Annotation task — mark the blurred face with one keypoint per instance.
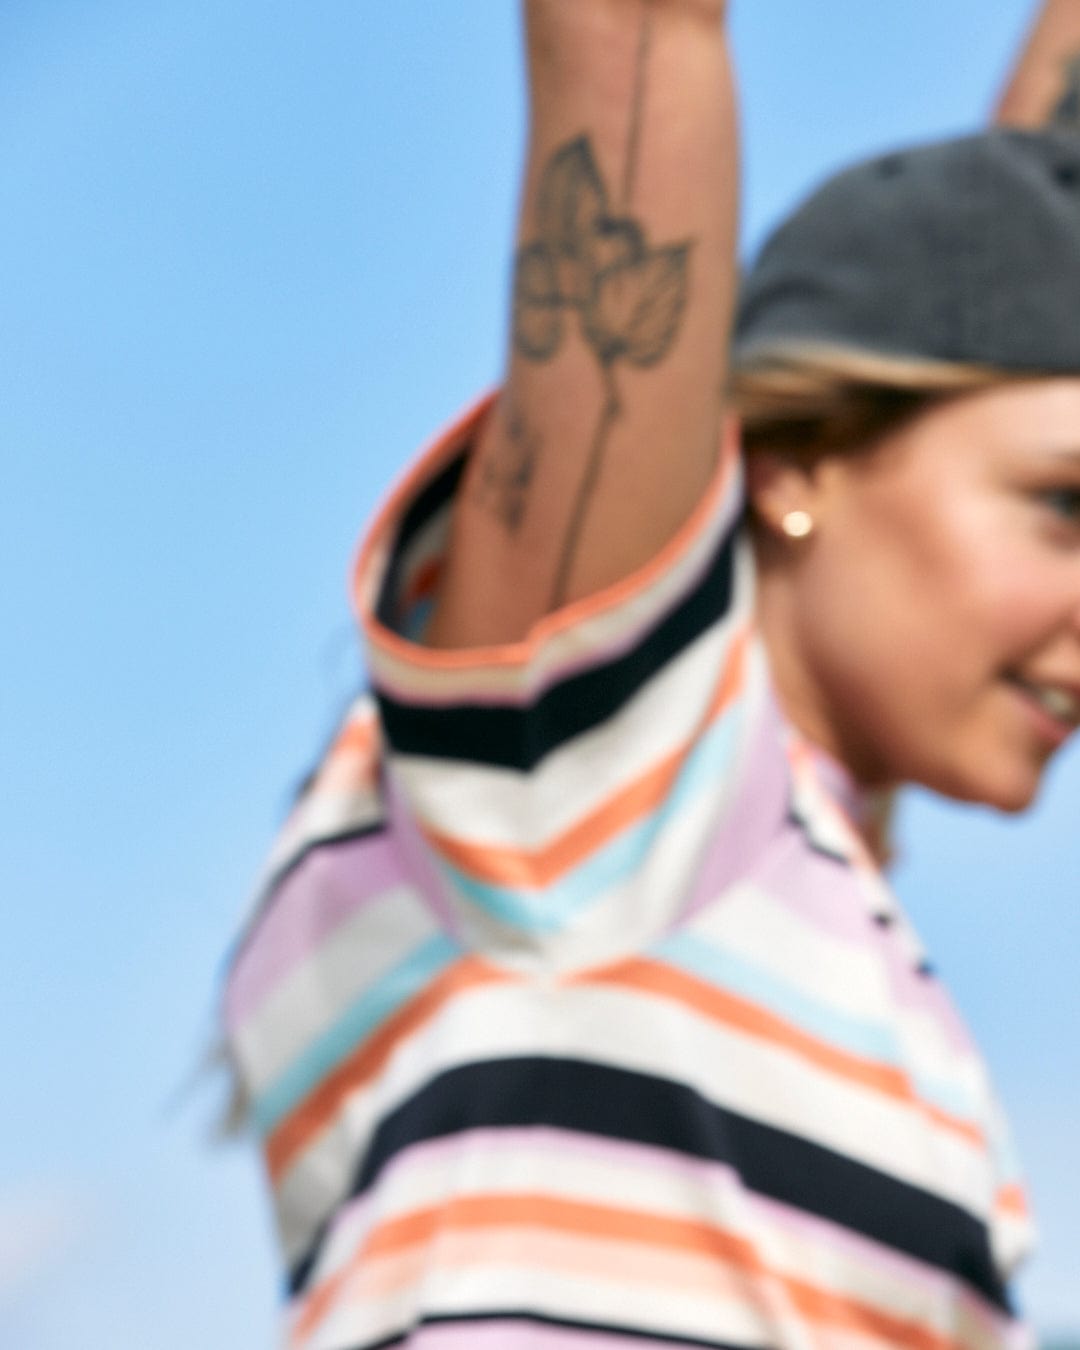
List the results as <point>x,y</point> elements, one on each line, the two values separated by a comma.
<point>928,630</point>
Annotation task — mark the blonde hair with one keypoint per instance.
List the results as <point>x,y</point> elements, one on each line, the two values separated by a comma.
<point>815,397</point>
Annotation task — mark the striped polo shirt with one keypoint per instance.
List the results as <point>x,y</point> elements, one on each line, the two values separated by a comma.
<point>573,1014</point>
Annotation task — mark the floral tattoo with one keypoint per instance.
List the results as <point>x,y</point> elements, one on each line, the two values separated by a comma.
<point>592,270</point>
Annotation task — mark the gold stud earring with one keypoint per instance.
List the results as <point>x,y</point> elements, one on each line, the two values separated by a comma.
<point>797,524</point>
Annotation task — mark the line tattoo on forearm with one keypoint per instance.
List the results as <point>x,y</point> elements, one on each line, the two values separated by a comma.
<point>1066,112</point>
<point>592,262</point>
<point>504,482</point>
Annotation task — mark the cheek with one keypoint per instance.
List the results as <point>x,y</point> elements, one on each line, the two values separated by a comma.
<point>995,579</point>
<point>1014,607</point>
<point>938,599</point>
<point>913,615</point>
<point>886,600</point>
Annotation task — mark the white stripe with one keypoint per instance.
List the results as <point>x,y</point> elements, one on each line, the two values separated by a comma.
<point>747,921</point>
<point>646,1296</point>
<point>504,807</point>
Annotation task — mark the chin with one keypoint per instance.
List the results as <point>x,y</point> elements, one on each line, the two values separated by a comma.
<point>1011,790</point>
<point>1012,803</point>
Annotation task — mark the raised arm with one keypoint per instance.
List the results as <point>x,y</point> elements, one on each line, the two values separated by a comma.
<point>1045,83</point>
<point>609,423</point>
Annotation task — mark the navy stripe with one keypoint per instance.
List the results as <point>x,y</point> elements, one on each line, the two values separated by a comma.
<point>607,1330</point>
<point>519,738</point>
<point>431,499</point>
<point>598,1099</point>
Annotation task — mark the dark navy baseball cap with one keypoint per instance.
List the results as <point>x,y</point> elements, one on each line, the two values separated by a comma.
<point>965,250</point>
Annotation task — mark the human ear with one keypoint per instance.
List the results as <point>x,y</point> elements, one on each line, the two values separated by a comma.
<point>784,492</point>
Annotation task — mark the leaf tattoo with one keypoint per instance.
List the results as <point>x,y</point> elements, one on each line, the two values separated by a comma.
<point>504,482</point>
<point>572,199</point>
<point>638,303</point>
<point>592,260</point>
<point>629,298</point>
<point>538,320</point>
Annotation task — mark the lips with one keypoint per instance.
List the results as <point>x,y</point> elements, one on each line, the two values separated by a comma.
<point>1059,701</point>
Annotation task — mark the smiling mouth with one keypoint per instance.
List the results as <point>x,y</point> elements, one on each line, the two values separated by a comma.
<point>1059,703</point>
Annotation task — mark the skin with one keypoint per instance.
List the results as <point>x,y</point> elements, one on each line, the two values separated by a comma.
<point>607,430</point>
<point>1044,85</point>
<point>944,564</point>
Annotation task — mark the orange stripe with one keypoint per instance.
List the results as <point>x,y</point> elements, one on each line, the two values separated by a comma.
<point>820,1305</point>
<point>499,865</point>
<point>1012,1200</point>
<point>966,1129</point>
<point>547,1249</point>
<point>356,738</point>
<point>316,1111</point>
<point>423,583</point>
<point>546,1211</point>
<point>438,1225</point>
<point>317,1304</point>
<point>721,1006</point>
<point>351,764</point>
<point>446,446</point>
<point>470,1213</point>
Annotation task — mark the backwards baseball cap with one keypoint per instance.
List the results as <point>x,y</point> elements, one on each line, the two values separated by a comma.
<point>965,250</point>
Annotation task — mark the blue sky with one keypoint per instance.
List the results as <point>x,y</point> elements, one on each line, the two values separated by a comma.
<point>250,255</point>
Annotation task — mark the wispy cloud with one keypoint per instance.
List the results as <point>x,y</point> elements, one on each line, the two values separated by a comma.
<point>38,1226</point>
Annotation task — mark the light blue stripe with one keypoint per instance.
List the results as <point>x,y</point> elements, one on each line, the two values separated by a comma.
<point>872,1040</point>
<point>372,1007</point>
<point>547,910</point>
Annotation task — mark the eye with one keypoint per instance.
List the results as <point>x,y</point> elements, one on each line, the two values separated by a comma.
<point>1064,502</point>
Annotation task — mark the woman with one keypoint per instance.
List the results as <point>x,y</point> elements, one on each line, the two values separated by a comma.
<point>577,1011</point>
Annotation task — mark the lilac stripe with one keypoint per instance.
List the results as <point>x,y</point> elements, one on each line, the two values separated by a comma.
<point>574,664</point>
<point>417,855</point>
<point>324,890</point>
<point>756,815</point>
<point>758,843</point>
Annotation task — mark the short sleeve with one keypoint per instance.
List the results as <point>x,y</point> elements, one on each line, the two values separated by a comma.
<point>565,785</point>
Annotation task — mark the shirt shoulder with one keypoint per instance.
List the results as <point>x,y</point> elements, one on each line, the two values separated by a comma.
<point>563,785</point>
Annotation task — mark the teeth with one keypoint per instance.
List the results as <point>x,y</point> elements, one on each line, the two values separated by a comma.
<point>1058,703</point>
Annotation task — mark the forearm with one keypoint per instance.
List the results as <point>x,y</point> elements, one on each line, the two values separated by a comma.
<point>1045,83</point>
<point>607,430</point>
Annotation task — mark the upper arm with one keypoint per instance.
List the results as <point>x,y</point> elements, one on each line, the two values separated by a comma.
<point>607,430</point>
